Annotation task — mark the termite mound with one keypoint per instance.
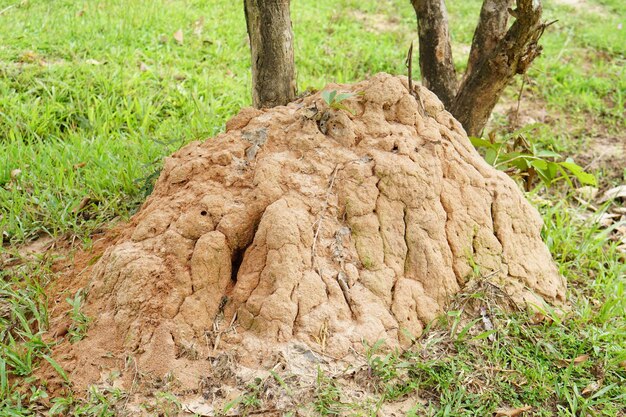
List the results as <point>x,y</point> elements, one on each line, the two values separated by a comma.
<point>329,224</point>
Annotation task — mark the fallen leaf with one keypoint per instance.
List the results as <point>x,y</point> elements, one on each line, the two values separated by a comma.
<point>539,318</point>
<point>143,67</point>
<point>93,62</point>
<point>623,365</point>
<point>613,193</point>
<point>178,36</point>
<point>83,203</point>
<point>15,173</point>
<point>591,388</point>
<point>199,407</point>
<point>512,412</point>
<point>606,219</point>
<point>580,359</point>
<point>79,165</point>
<point>564,363</point>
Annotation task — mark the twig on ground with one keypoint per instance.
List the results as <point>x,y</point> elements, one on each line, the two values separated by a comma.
<point>6,9</point>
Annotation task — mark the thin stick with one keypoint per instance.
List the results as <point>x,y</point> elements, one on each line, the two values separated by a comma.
<point>519,98</point>
<point>409,64</point>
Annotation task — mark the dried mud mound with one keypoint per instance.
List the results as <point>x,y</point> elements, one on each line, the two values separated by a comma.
<point>312,224</point>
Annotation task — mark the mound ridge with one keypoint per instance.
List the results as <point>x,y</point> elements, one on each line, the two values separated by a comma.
<point>311,224</point>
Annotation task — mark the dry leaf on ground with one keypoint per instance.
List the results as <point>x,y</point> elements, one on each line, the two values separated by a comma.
<point>591,388</point>
<point>613,193</point>
<point>512,412</point>
<point>539,318</point>
<point>178,36</point>
<point>580,359</point>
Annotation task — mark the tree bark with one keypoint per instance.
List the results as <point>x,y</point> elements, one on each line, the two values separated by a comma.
<point>271,48</point>
<point>491,28</point>
<point>513,54</point>
<point>435,53</point>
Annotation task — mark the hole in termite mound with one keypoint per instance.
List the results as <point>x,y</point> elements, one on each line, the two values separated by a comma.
<point>237,258</point>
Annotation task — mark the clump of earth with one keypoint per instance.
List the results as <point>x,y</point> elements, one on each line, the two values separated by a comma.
<point>324,226</point>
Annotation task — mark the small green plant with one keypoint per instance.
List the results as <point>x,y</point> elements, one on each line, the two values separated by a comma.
<point>335,100</point>
<point>388,372</point>
<point>80,322</point>
<point>520,158</point>
<point>327,396</point>
<point>101,402</point>
<point>250,400</point>
<point>167,404</point>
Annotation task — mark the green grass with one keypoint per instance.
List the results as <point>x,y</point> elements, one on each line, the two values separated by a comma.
<point>23,321</point>
<point>94,94</point>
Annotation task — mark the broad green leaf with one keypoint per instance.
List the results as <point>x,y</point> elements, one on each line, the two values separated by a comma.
<point>490,156</point>
<point>516,159</point>
<point>326,96</point>
<point>543,153</point>
<point>578,171</point>
<point>343,96</point>
<point>544,171</point>
<point>539,164</point>
<point>553,167</point>
<point>481,143</point>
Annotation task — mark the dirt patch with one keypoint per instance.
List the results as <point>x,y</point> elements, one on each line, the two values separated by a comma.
<point>583,5</point>
<point>606,153</point>
<point>377,22</point>
<point>311,225</point>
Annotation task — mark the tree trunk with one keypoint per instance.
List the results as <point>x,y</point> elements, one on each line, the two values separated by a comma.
<point>513,54</point>
<point>495,57</point>
<point>435,53</point>
<point>491,28</point>
<point>271,47</point>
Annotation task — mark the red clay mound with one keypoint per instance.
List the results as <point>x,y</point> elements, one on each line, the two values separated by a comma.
<point>311,224</point>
